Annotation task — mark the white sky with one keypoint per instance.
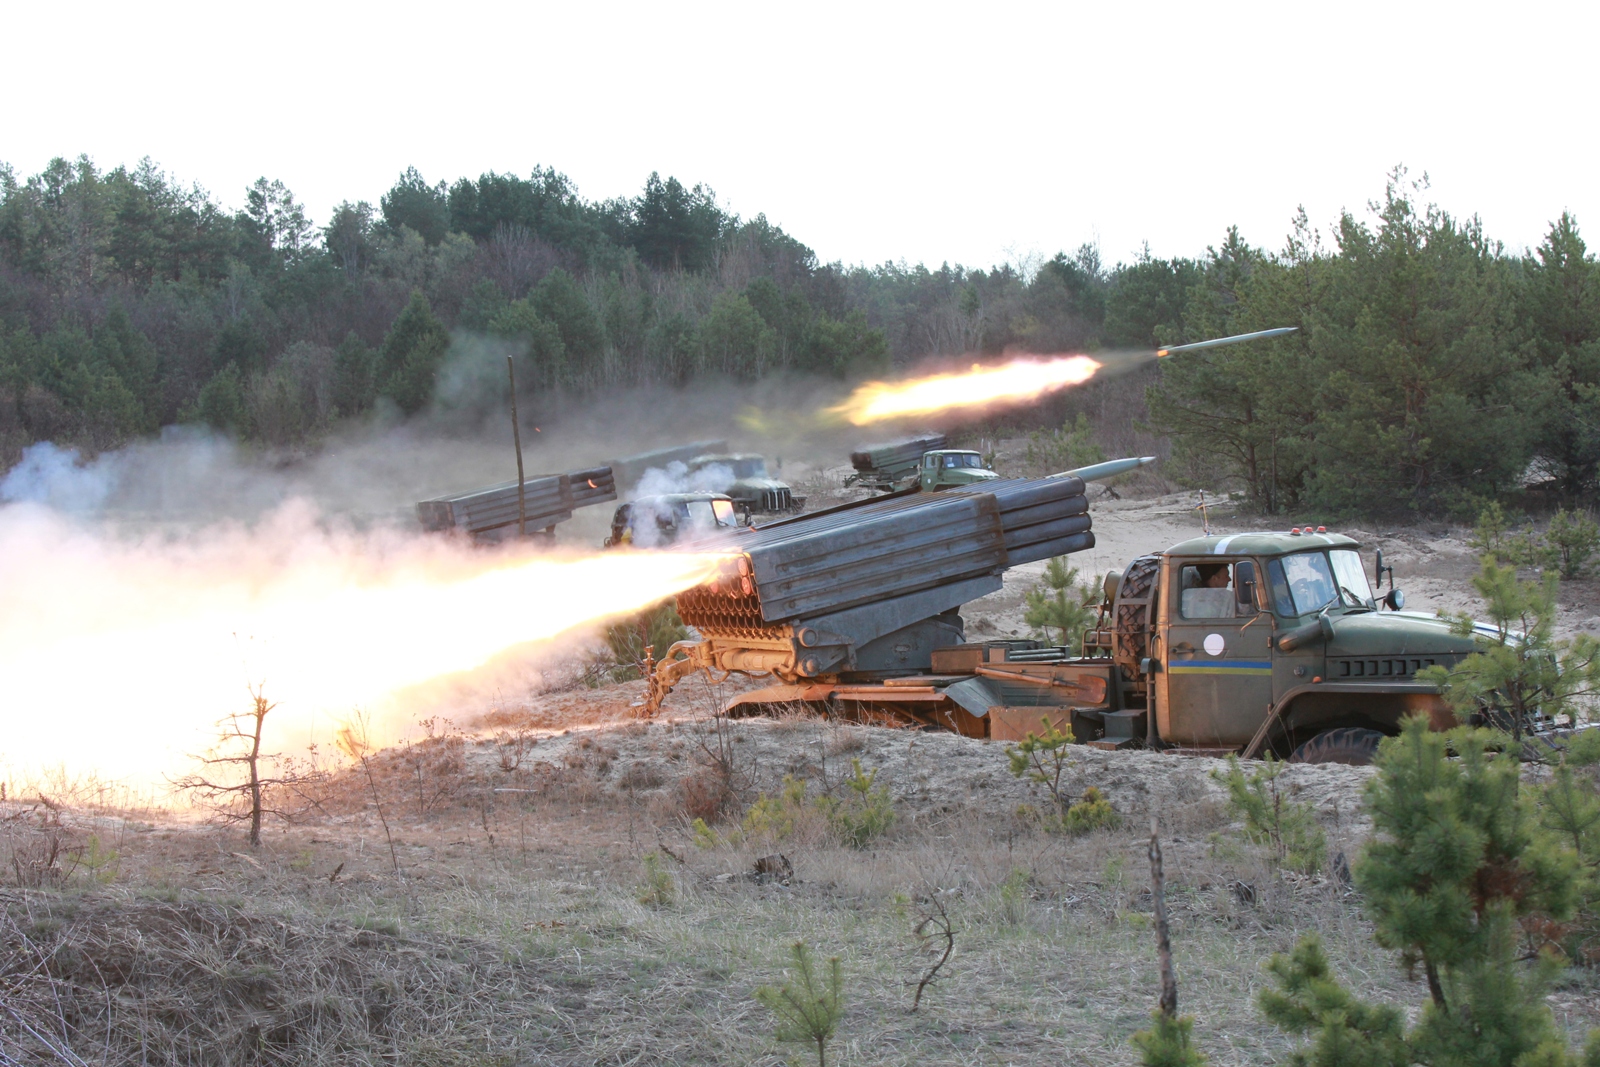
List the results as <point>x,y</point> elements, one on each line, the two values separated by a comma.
<point>973,133</point>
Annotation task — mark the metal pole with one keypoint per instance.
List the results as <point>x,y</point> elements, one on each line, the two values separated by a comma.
<point>516,436</point>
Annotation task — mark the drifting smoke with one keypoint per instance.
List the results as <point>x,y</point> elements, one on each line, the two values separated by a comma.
<point>119,650</point>
<point>1021,379</point>
<point>676,477</point>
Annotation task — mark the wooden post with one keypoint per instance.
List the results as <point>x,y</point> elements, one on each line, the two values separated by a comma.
<point>516,437</point>
<point>1158,890</point>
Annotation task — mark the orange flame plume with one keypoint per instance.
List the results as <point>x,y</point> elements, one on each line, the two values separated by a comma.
<point>117,657</point>
<point>1019,379</point>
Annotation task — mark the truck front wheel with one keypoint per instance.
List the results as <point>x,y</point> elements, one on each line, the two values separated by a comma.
<point>1354,745</point>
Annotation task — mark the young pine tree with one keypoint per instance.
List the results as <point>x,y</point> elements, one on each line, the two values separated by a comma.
<point>1458,857</point>
<point>1061,610</point>
<point>1521,669</point>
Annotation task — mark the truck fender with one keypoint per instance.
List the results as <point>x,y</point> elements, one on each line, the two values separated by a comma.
<point>1282,708</point>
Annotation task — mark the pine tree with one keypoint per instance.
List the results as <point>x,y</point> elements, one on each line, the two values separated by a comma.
<point>353,369</point>
<point>1459,855</point>
<point>411,355</point>
<point>1061,605</point>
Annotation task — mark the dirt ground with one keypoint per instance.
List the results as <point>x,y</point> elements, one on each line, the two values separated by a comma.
<point>529,886</point>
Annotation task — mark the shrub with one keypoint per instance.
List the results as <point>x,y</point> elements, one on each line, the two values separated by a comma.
<point>1014,895</point>
<point>658,889</point>
<point>866,811</point>
<point>777,815</point>
<point>1069,446</point>
<point>1286,826</point>
<point>1567,545</point>
<point>1168,1043</point>
<point>1092,812</point>
<point>1572,539</point>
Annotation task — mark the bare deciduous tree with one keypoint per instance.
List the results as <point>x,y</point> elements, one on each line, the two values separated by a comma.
<point>238,746</point>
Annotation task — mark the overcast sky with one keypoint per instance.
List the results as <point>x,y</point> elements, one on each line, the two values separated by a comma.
<point>974,133</point>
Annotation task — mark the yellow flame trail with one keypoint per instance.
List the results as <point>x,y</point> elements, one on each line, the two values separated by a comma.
<point>117,657</point>
<point>1020,379</point>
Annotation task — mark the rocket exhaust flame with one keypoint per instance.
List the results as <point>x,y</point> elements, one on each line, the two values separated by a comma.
<point>117,657</point>
<point>1020,379</point>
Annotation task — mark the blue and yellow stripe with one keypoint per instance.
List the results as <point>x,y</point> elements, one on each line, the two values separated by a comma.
<point>1223,666</point>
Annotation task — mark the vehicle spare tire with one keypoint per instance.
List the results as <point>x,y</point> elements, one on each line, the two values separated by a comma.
<point>1354,745</point>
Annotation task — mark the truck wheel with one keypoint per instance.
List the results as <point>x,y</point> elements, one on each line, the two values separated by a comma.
<point>1354,745</point>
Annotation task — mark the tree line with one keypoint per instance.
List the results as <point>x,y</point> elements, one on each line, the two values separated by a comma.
<point>1432,368</point>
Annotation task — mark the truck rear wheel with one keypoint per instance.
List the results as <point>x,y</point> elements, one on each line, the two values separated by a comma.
<point>1354,745</point>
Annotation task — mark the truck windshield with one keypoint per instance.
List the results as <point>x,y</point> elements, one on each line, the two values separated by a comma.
<point>962,459</point>
<point>1302,583</point>
<point>702,516</point>
<point>1352,578</point>
<point>723,509</point>
<point>749,468</point>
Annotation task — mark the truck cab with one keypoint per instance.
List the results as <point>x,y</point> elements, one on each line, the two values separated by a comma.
<point>1268,640</point>
<point>672,518</point>
<point>948,467</point>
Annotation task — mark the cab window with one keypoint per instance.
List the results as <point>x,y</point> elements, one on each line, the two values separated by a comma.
<point>723,510</point>
<point>1207,591</point>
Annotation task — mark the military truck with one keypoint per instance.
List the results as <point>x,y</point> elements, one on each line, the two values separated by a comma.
<point>747,482</point>
<point>672,518</point>
<point>1242,643</point>
<point>918,462</point>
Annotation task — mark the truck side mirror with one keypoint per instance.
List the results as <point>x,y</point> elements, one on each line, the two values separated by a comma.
<point>1244,583</point>
<point>1382,570</point>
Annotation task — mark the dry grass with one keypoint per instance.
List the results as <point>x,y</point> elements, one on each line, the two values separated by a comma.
<point>514,932</point>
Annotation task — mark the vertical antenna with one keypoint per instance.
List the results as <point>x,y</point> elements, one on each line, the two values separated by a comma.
<point>1205,516</point>
<point>516,436</point>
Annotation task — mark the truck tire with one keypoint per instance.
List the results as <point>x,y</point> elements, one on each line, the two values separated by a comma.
<point>1354,745</point>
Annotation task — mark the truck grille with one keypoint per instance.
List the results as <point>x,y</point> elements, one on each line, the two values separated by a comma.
<point>1385,667</point>
<point>776,500</point>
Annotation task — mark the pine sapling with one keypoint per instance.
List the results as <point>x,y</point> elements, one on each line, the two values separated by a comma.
<point>809,1005</point>
<point>1272,817</point>
<point>1061,609</point>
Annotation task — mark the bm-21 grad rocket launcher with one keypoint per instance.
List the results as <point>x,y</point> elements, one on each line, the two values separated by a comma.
<point>867,591</point>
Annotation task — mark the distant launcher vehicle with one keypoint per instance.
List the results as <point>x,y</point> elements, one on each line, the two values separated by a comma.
<point>893,465</point>
<point>751,488</point>
<point>706,471</point>
<point>498,511</point>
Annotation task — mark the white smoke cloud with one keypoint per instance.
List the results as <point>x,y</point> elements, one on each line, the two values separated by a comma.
<point>59,478</point>
<point>676,477</point>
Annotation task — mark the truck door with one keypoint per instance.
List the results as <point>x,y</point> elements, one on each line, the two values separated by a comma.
<point>1216,685</point>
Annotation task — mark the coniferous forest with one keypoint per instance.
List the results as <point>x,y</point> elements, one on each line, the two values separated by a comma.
<point>1434,369</point>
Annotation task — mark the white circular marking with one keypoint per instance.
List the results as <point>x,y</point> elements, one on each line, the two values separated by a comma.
<point>1215,644</point>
